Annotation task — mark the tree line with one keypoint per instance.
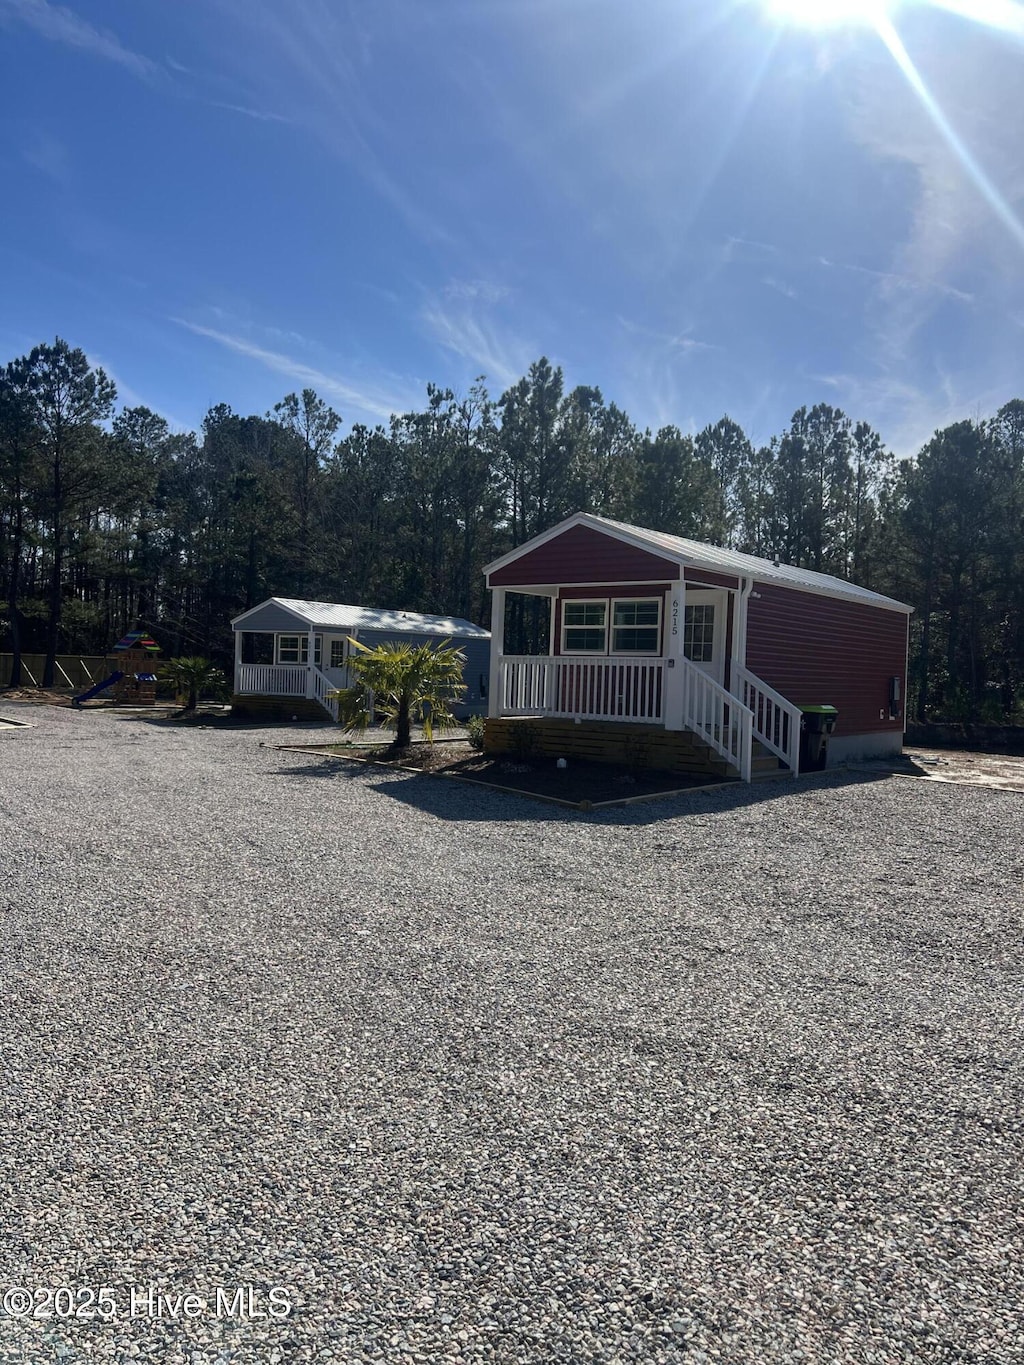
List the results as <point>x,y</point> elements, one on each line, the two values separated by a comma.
<point>110,520</point>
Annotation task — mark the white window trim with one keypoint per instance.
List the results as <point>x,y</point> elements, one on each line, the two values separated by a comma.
<point>634,653</point>
<point>300,636</point>
<point>585,602</point>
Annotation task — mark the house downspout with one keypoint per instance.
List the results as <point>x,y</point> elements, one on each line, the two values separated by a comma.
<point>739,644</point>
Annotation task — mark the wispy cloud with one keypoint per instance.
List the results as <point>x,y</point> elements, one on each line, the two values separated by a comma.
<point>780,286</point>
<point>954,235</point>
<point>461,319</point>
<point>370,399</point>
<point>672,341</point>
<point>48,155</point>
<point>314,55</point>
<point>61,25</point>
<point>899,281</point>
<point>131,398</point>
<point>261,115</point>
<point>905,413</point>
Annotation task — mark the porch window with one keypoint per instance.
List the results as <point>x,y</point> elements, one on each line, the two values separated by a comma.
<point>636,627</point>
<point>337,653</point>
<point>699,634</point>
<point>294,649</point>
<point>584,628</point>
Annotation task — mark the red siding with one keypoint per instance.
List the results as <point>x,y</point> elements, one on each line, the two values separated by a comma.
<point>583,555</point>
<point>819,650</point>
<point>608,591</point>
<point>712,580</point>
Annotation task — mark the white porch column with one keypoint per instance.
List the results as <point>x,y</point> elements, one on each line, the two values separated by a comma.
<point>310,662</point>
<point>238,661</point>
<point>674,656</point>
<point>494,684</point>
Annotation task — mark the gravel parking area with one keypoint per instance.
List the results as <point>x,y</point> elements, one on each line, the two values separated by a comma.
<point>731,1077</point>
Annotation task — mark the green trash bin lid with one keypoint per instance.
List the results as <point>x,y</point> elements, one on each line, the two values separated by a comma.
<point>819,710</point>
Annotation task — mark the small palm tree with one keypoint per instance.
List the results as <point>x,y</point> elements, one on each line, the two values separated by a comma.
<point>406,684</point>
<point>193,676</point>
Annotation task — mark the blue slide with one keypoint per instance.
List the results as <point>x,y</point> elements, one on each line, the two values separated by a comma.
<point>116,676</point>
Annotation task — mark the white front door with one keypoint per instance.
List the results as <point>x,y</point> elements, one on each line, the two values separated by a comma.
<point>704,620</point>
<point>336,652</point>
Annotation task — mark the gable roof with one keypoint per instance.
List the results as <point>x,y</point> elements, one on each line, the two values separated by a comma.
<point>715,559</point>
<point>136,639</point>
<point>338,616</point>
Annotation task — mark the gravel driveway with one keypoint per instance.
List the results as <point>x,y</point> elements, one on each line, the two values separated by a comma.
<point>468,1078</point>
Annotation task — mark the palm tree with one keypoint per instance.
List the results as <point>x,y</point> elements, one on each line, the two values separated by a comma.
<point>191,677</point>
<point>406,684</point>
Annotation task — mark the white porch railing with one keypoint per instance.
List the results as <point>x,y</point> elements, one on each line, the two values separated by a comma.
<point>287,680</point>
<point>718,718</point>
<point>634,690</point>
<point>592,689</point>
<point>272,680</point>
<point>776,721</point>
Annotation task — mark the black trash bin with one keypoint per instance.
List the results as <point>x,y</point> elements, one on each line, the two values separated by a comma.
<point>817,724</point>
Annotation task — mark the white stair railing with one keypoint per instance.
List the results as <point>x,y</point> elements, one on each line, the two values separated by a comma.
<point>776,721</point>
<point>322,687</point>
<point>718,718</point>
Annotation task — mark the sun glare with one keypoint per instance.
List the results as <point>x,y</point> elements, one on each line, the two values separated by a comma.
<point>1007,15</point>
<point>826,13</point>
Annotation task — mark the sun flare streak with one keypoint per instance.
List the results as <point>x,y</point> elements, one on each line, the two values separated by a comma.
<point>829,13</point>
<point>1007,15</point>
<point>956,144</point>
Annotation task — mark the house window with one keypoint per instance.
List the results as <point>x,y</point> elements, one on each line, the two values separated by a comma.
<point>294,649</point>
<point>699,634</point>
<point>337,653</point>
<point>636,627</point>
<point>584,628</point>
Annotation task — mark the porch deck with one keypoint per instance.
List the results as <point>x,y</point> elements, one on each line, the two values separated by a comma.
<point>300,687</point>
<point>679,704</point>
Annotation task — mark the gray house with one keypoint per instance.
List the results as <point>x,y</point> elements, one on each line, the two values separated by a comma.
<point>290,655</point>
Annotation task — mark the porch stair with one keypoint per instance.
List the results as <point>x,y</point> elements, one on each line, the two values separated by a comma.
<point>266,708</point>
<point>765,765</point>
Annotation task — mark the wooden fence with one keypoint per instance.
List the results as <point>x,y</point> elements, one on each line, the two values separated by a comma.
<point>72,670</point>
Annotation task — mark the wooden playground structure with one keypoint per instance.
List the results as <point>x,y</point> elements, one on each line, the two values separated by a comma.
<point>132,676</point>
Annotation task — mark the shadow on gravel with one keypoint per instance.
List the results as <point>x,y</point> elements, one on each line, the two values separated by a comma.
<point>172,722</point>
<point>449,799</point>
<point>326,767</point>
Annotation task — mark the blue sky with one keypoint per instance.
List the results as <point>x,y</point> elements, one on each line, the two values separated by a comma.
<point>699,206</point>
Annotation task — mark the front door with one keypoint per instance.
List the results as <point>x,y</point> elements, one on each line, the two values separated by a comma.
<point>704,621</point>
<point>336,652</point>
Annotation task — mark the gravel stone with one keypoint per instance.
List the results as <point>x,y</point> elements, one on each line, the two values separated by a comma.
<point>731,1077</point>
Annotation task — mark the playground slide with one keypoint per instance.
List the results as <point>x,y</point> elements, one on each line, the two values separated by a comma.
<point>107,682</point>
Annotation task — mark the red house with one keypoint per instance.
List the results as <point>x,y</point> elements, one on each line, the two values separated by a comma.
<point>693,656</point>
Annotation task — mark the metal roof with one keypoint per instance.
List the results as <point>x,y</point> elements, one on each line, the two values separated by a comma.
<point>338,616</point>
<point>695,554</point>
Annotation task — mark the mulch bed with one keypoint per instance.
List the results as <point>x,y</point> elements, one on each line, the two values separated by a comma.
<point>40,696</point>
<point>580,784</point>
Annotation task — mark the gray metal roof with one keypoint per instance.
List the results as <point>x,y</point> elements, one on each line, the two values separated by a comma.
<point>714,558</point>
<point>338,616</point>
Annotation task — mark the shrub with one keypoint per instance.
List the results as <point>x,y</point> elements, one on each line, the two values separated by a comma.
<point>193,676</point>
<point>475,730</point>
<point>405,684</point>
